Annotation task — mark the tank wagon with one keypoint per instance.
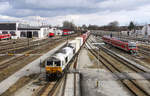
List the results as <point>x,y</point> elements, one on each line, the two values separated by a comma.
<point>55,64</point>
<point>121,44</point>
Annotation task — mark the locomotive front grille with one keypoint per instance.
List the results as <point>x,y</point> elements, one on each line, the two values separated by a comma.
<point>53,69</point>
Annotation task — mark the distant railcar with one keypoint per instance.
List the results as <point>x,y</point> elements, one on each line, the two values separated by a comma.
<point>85,35</point>
<point>66,32</point>
<point>122,44</point>
<point>51,34</point>
<point>5,36</point>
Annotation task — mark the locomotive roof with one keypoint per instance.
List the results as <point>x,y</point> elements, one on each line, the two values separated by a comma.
<point>52,59</point>
<point>65,50</point>
<point>56,57</point>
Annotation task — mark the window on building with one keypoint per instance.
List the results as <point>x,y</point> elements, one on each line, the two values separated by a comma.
<point>12,33</point>
<point>35,34</point>
<point>5,32</point>
<point>23,34</point>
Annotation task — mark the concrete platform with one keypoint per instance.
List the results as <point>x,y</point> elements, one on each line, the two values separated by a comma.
<point>72,87</point>
<point>69,89</point>
<point>83,60</point>
<point>100,83</point>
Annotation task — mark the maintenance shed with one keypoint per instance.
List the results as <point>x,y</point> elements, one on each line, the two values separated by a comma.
<point>20,30</point>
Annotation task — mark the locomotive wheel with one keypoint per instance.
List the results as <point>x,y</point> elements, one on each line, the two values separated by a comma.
<point>59,74</point>
<point>47,78</point>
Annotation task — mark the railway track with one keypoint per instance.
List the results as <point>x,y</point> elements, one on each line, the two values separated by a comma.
<point>7,42</point>
<point>144,51</point>
<point>134,87</point>
<point>34,51</point>
<point>23,45</point>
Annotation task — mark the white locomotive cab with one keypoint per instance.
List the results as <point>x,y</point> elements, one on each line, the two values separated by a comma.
<point>64,56</point>
<point>132,45</point>
<point>68,53</point>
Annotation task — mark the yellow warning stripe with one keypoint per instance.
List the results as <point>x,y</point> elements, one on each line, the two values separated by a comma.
<point>10,54</point>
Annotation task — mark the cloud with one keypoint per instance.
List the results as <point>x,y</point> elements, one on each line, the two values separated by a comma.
<point>79,11</point>
<point>53,4</point>
<point>115,5</point>
<point>4,6</point>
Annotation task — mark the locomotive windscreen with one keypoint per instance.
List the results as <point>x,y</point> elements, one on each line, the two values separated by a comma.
<point>8,26</point>
<point>49,63</point>
<point>57,63</point>
<point>132,45</point>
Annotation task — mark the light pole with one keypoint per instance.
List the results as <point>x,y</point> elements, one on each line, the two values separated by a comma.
<point>14,42</point>
<point>98,58</point>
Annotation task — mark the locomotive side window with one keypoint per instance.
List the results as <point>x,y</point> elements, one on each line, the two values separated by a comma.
<point>12,33</point>
<point>132,47</point>
<point>57,63</point>
<point>35,34</point>
<point>23,34</point>
<point>50,63</point>
<point>66,59</point>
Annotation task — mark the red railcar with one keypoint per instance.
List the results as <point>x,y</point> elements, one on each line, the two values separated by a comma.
<point>122,44</point>
<point>5,36</point>
<point>65,32</point>
<point>51,34</point>
<point>85,36</point>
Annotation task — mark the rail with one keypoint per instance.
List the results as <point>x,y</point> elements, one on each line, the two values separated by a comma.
<point>127,83</point>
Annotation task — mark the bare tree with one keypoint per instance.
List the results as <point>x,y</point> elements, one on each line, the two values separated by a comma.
<point>113,26</point>
<point>131,26</point>
<point>70,25</point>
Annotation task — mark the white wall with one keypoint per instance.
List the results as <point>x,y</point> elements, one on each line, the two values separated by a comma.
<point>43,32</point>
<point>146,27</point>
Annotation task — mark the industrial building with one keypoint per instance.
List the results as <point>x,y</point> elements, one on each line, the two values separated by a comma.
<point>146,30</point>
<point>20,30</point>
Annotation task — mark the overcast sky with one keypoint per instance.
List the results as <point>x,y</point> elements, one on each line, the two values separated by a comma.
<point>99,12</point>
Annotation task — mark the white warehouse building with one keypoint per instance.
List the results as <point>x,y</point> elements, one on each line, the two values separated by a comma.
<point>146,30</point>
<point>19,30</point>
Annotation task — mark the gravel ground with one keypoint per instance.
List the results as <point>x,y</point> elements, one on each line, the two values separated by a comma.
<point>28,89</point>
